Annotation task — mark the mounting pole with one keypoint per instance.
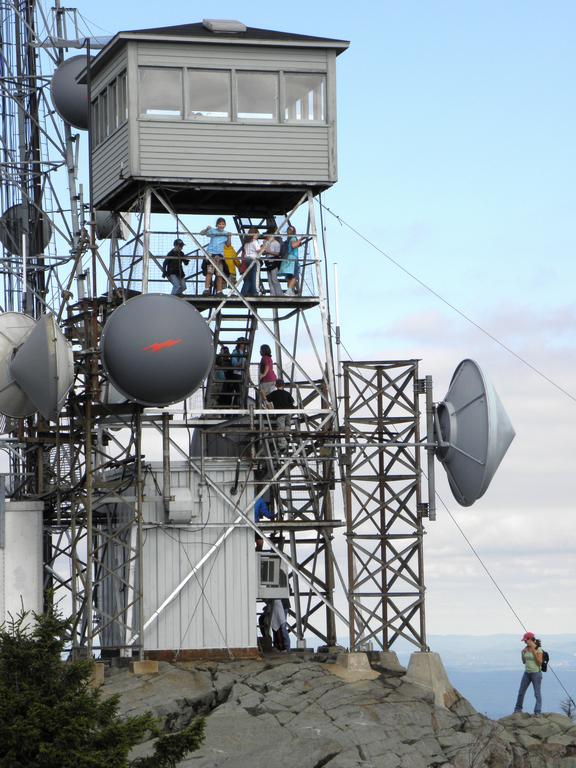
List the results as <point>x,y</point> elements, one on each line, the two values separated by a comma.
<point>430,449</point>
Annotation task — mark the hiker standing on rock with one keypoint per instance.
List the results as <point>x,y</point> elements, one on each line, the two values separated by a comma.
<point>532,656</point>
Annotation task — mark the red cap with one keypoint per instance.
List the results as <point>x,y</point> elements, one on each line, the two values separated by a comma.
<point>528,636</point>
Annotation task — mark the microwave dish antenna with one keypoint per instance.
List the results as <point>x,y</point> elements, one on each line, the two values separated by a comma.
<point>472,432</point>
<point>156,349</point>
<point>43,367</point>
<point>14,330</point>
<point>70,98</point>
<point>36,366</point>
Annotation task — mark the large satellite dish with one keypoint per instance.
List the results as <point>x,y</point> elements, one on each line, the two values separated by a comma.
<point>43,367</point>
<point>36,366</point>
<point>69,97</point>
<point>15,221</point>
<point>14,330</point>
<point>472,432</point>
<point>156,349</point>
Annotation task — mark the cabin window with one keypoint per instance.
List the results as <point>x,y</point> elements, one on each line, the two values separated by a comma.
<point>109,110</point>
<point>257,94</point>
<point>112,107</point>
<point>122,100</point>
<point>225,95</point>
<point>103,115</point>
<point>209,95</point>
<point>160,92</point>
<point>305,99</point>
<point>95,123</point>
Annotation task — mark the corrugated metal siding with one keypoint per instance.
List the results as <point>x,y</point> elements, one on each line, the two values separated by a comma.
<point>238,56</point>
<point>180,150</point>
<point>217,608</point>
<point>110,159</point>
<point>21,566</point>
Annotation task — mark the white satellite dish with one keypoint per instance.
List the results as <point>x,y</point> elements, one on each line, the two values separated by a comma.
<point>14,330</point>
<point>472,432</point>
<point>43,367</point>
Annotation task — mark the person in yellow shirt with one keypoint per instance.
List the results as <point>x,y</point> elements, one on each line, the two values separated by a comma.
<point>532,656</point>
<point>232,262</point>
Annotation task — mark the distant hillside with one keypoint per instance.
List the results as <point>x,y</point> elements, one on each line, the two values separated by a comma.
<point>500,651</point>
<point>492,652</point>
<point>487,669</point>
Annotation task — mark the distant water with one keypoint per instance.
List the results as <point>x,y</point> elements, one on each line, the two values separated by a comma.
<point>494,693</point>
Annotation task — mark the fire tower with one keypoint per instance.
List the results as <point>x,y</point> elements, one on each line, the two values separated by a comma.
<point>149,505</point>
<point>137,439</point>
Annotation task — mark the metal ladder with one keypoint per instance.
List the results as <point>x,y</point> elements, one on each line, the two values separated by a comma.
<point>229,326</point>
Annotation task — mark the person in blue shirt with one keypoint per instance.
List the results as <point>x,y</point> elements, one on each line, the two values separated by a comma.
<point>290,266</point>
<point>261,510</point>
<point>215,247</point>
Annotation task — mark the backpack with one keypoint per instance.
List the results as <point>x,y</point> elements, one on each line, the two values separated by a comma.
<point>545,660</point>
<point>282,254</point>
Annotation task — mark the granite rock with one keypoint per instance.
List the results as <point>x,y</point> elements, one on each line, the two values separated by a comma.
<point>295,712</point>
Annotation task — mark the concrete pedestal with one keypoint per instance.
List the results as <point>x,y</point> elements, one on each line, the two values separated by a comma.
<point>97,678</point>
<point>146,667</point>
<point>352,667</point>
<point>388,660</point>
<point>427,670</point>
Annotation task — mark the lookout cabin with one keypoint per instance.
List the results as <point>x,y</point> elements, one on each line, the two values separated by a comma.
<point>220,116</point>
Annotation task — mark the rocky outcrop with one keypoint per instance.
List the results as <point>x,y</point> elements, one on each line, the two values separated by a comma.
<point>293,711</point>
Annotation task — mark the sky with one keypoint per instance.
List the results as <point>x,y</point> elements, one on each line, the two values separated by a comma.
<point>456,153</point>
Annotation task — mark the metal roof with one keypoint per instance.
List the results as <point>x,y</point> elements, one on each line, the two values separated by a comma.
<point>199,30</point>
<point>199,33</point>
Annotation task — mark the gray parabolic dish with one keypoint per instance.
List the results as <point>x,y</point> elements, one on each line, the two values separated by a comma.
<point>15,221</point>
<point>43,367</point>
<point>475,432</point>
<point>14,329</point>
<point>156,349</point>
<point>69,97</point>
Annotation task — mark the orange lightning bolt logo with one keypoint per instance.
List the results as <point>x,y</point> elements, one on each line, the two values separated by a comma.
<point>157,346</point>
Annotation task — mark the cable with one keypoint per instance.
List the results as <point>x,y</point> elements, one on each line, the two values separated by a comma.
<point>484,566</point>
<point>495,583</point>
<point>452,306</point>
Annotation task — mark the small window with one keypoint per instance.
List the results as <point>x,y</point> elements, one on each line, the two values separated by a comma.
<point>208,95</point>
<point>269,567</point>
<point>160,92</point>
<point>102,116</point>
<point>95,123</point>
<point>122,100</point>
<point>305,98</point>
<point>257,96</point>
<point>112,108</point>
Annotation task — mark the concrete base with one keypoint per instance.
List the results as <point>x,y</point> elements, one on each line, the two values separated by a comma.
<point>426,670</point>
<point>146,667</point>
<point>97,678</point>
<point>352,667</point>
<point>388,660</point>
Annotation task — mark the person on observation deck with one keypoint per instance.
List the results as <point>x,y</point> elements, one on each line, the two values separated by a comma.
<point>215,248</point>
<point>173,269</point>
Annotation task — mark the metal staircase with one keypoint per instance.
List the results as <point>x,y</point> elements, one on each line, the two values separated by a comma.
<point>228,328</point>
<point>303,523</point>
